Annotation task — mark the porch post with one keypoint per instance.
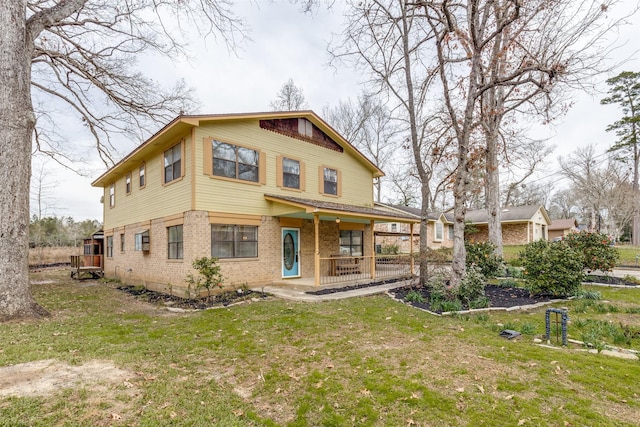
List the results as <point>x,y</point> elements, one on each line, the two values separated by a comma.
<point>316,257</point>
<point>373,250</point>
<point>411,247</point>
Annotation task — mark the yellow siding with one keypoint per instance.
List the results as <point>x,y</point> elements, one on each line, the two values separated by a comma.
<point>237,197</point>
<point>155,200</point>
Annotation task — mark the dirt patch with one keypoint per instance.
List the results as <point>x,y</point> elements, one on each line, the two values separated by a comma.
<point>45,377</point>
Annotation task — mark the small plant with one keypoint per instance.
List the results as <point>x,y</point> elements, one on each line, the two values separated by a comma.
<point>446,305</point>
<point>514,272</point>
<point>631,279</point>
<point>507,283</point>
<point>482,256</point>
<point>481,318</point>
<point>480,302</point>
<point>390,250</point>
<point>528,328</point>
<point>209,275</point>
<point>589,295</point>
<point>414,296</point>
<point>552,268</point>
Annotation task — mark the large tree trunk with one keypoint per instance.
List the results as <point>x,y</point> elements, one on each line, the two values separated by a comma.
<point>16,127</point>
<point>492,192</point>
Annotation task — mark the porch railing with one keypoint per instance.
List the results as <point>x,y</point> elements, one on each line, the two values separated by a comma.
<point>339,269</point>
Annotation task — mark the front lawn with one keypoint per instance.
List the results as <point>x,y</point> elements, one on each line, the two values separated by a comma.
<point>368,361</point>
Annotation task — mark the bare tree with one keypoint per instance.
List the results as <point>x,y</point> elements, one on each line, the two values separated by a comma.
<point>81,54</point>
<point>390,40</point>
<point>289,98</point>
<point>600,188</point>
<point>369,126</point>
<point>495,57</point>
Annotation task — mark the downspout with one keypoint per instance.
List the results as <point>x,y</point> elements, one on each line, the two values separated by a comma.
<point>316,256</point>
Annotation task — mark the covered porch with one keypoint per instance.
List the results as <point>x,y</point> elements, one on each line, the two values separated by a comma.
<point>336,243</point>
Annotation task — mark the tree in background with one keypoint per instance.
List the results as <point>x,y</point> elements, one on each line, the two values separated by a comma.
<point>289,98</point>
<point>368,124</point>
<point>498,57</point>
<point>388,40</point>
<point>624,90</point>
<point>80,54</point>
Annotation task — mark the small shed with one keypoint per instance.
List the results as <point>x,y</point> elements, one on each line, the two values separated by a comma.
<point>93,255</point>
<point>562,227</point>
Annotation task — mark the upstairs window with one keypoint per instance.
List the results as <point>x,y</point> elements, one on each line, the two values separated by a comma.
<point>112,195</point>
<point>290,173</point>
<point>141,177</point>
<point>330,181</point>
<point>128,183</point>
<point>232,161</point>
<point>173,163</point>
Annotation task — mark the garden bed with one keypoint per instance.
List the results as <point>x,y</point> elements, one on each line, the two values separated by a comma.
<point>498,296</point>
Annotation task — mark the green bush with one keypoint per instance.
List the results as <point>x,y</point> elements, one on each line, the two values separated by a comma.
<point>414,296</point>
<point>514,272</point>
<point>598,254</point>
<point>389,250</point>
<point>482,256</point>
<point>471,286</point>
<point>552,268</point>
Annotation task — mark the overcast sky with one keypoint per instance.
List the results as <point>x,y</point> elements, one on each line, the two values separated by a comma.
<point>288,44</point>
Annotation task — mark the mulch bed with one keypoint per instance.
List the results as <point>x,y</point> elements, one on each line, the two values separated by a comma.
<point>502,297</point>
<point>219,300</point>
<point>609,280</point>
<point>353,287</point>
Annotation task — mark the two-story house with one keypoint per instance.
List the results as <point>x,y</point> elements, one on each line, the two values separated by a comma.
<point>272,195</point>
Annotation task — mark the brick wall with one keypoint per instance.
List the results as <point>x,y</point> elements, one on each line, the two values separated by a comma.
<point>153,270</point>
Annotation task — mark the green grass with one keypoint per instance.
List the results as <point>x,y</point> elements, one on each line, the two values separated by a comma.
<point>364,361</point>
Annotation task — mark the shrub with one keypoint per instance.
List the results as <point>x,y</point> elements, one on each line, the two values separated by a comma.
<point>552,268</point>
<point>209,274</point>
<point>471,286</point>
<point>414,296</point>
<point>482,256</point>
<point>390,250</point>
<point>507,283</point>
<point>590,295</point>
<point>514,272</point>
<point>598,254</point>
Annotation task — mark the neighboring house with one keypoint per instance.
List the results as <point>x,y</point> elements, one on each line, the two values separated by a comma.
<point>562,227</point>
<point>273,195</point>
<point>439,230</point>
<point>520,224</point>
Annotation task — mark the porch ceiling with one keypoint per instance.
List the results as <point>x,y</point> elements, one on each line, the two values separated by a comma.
<point>329,211</point>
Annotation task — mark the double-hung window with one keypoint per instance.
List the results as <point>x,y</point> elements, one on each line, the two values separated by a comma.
<point>109,246</point>
<point>173,163</point>
<point>439,231</point>
<point>451,235</point>
<point>128,183</point>
<point>112,195</point>
<point>141,177</point>
<point>290,173</point>
<point>233,161</point>
<point>122,242</point>
<point>351,242</point>
<point>175,242</point>
<point>330,177</point>
<point>234,241</point>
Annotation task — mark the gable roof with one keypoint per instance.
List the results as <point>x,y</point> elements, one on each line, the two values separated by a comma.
<point>563,224</point>
<point>508,214</point>
<point>417,212</point>
<point>183,124</point>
